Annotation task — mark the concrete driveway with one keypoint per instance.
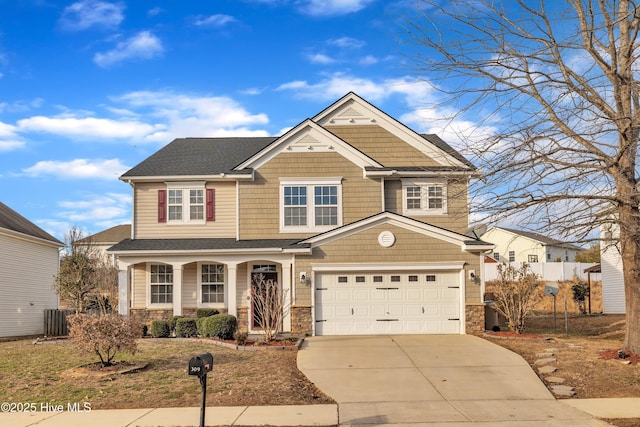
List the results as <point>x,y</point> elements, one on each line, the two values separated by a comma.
<point>446,380</point>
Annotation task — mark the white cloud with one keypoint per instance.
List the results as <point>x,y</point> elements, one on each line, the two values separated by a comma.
<point>85,14</point>
<point>218,20</point>
<point>143,45</point>
<point>9,139</point>
<point>88,127</point>
<point>320,58</point>
<point>105,210</point>
<point>188,115</point>
<point>332,7</point>
<point>347,42</point>
<point>78,168</point>
<point>368,60</point>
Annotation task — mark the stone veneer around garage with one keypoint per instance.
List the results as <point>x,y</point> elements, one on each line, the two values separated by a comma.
<point>474,314</point>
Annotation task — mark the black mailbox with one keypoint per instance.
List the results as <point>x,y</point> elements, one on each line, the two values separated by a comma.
<point>201,364</point>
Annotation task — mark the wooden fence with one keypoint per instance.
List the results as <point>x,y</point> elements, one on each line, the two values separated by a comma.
<point>55,322</point>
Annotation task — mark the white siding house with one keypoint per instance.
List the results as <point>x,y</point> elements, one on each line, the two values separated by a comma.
<point>523,246</point>
<point>613,300</point>
<point>29,261</point>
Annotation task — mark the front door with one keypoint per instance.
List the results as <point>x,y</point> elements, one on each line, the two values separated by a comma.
<point>264,295</point>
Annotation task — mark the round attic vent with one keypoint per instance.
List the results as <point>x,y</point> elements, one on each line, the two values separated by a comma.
<point>386,239</point>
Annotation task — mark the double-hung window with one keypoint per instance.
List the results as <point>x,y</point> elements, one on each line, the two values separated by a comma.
<point>424,197</point>
<point>307,205</point>
<point>211,284</point>
<point>186,203</point>
<point>161,284</point>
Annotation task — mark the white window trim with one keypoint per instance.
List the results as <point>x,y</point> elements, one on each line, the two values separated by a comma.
<point>199,302</point>
<point>424,184</point>
<point>155,304</point>
<point>186,206</point>
<point>309,183</point>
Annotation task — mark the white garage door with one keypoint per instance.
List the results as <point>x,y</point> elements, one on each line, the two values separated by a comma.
<point>408,302</point>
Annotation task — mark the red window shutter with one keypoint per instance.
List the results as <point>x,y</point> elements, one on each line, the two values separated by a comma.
<point>211,204</point>
<point>162,205</point>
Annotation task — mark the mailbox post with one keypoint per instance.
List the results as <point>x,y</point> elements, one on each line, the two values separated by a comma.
<point>200,366</point>
<point>551,289</point>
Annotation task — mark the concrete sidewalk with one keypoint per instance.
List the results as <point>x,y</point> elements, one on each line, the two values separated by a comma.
<point>311,415</point>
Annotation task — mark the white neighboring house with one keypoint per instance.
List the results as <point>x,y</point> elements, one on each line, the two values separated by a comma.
<point>613,299</point>
<point>524,246</point>
<point>29,261</point>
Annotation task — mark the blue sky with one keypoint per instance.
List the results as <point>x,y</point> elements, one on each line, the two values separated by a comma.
<point>90,88</point>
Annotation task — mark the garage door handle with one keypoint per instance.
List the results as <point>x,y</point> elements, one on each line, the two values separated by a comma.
<point>352,311</point>
<point>453,287</point>
<point>387,320</point>
<point>422,310</point>
<point>455,319</point>
<point>386,289</point>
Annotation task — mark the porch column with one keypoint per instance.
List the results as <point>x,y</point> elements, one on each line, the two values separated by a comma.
<point>123,291</point>
<point>177,289</point>
<point>232,285</point>
<point>287,289</point>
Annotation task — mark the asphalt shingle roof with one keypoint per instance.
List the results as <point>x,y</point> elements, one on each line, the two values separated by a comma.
<point>199,156</point>
<point>202,244</point>
<point>12,220</point>
<point>542,239</point>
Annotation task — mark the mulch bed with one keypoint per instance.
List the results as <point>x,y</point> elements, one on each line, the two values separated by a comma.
<point>634,359</point>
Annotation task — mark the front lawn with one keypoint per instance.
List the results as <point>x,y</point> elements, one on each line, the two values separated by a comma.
<point>49,373</point>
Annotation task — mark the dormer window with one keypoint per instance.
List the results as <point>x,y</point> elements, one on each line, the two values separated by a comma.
<point>424,197</point>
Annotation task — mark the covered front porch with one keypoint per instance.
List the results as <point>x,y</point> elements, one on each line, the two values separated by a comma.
<point>160,284</point>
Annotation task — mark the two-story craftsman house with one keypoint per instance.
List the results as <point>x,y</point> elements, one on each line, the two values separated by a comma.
<point>359,220</point>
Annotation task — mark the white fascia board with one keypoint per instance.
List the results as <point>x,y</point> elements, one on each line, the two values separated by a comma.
<point>478,248</point>
<point>387,218</point>
<point>287,143</point>
<point>377,116</point>
<point>413,266</point>
<point>415,174</point>
<point>179,178</point>
<point>29,238</point>
<point>260,251</point>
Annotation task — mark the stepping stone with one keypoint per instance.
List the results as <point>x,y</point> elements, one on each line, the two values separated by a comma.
<point>545,361</point>
<point>563,390</point>
<point>546,370</point>
<point>555,380</point>
<point>545,355</point>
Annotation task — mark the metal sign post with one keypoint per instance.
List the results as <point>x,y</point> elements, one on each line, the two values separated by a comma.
<point>551,289</point>
<point>201,365</point>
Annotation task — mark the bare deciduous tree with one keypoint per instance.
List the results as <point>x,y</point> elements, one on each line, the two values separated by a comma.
<point>86,275</point>
<point>269,305</point>
<point>516,292</point>
<point>555,83</point>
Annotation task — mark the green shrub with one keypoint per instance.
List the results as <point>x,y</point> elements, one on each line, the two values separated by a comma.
<point>200,326</point>
<point>206,312</point>
<point>222,326</point>
<point>186,328</point>
<point>173,321</point>
<point>160,329</point>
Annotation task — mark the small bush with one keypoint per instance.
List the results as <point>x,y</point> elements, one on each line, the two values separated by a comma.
<point>200,326</point>
<point>222,326</point>
<point>206,312</point>
<point>241,338</point>
<point>173,321</point>
<point>105,335</point>
<point>186,328</point>
<point>160,329</point>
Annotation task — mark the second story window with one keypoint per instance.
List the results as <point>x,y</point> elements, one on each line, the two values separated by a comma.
<point>532,258</point>
<point>184,203</point>
<point>512,256</point>
<point>308,205</point>
<point>424,197</point>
